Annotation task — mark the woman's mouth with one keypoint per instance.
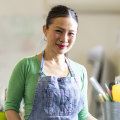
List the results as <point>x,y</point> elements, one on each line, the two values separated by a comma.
<point>61,46</point>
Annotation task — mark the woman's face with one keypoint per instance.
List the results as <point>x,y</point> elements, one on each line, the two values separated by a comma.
<point>61,34</point>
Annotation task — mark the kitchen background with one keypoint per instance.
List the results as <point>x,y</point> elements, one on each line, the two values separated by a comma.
<point>99,29</point>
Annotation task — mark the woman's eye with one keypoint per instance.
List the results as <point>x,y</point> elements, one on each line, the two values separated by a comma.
<point>59,31</point>
<point>71,34</point>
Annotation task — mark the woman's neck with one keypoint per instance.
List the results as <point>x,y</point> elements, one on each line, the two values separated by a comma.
<point>54,58</point>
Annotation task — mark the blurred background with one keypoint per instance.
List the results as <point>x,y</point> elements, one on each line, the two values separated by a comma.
<point>97,46</point>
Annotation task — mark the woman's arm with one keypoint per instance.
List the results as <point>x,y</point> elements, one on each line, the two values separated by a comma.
<point>12,115</point>
<point>15,91</point>
<point>84,114</point>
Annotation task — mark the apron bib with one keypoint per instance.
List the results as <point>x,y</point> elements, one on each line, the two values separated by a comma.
<point>57,98</point>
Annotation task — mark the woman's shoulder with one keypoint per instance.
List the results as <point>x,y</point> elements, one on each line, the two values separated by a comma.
<point>80,71</point>
<point>28,64</point>
<point>28,61</point>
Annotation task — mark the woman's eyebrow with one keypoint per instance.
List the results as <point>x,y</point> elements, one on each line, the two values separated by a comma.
<point>59,27</point>
<point>64,29</point>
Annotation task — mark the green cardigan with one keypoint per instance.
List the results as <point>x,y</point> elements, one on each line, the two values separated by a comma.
<point>23,82</point>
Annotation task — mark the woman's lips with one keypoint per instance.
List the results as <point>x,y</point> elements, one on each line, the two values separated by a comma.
<point>62,46</point>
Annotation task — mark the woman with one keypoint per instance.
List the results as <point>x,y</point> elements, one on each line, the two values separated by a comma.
<point>53,86</point>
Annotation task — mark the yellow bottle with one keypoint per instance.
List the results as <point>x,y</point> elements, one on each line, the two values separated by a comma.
<point>2,116</point>
<point>116,92</point>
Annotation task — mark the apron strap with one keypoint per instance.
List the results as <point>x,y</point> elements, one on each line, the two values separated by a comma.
<point>42,64</point>
<point>69,66</point>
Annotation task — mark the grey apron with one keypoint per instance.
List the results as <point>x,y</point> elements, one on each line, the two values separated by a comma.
<point>57,98</point>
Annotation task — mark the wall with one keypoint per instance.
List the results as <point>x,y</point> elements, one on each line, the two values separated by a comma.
<point>23,7</point>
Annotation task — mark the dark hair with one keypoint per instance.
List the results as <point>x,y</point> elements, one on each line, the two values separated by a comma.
<point>60,11</point>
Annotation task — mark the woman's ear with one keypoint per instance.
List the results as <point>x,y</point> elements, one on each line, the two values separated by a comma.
<point>44,30</point>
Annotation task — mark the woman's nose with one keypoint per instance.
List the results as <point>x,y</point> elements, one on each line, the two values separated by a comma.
<point>64,37</point>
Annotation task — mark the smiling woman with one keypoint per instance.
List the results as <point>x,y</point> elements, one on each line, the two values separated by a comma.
<point>61,34</point>
<point>53,86</point>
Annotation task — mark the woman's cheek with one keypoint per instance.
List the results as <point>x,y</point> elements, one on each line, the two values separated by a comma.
<point>57,36</point>
<point>72,40</point>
